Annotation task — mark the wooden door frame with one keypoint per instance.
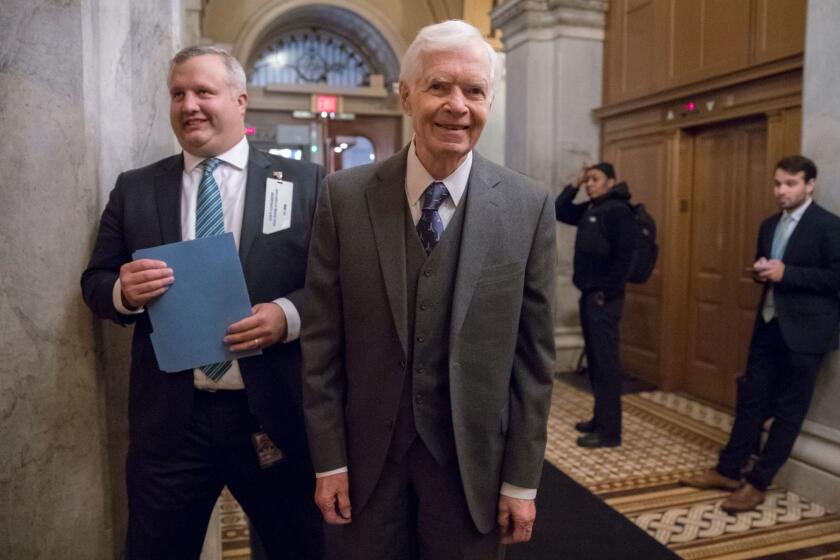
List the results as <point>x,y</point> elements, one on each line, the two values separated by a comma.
<point>778,97</point>
<point>676,275</point>
<point>783,137</point>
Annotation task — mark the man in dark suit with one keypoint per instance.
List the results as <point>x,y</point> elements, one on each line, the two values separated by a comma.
<point>193,432</point>
<point>427,334</point>
<point>798,261</point>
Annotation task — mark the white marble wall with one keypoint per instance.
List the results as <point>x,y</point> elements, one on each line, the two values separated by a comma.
<point>814,470</point>
<point>554,52</point>
<point>82,96</point>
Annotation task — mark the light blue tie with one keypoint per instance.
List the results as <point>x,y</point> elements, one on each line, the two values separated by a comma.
<point>780,237</point>
<point>210,220</point>
<point>777,251</point>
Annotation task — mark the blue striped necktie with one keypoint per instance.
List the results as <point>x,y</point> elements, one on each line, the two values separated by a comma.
<point>430,226</point>
<point>210,220</point>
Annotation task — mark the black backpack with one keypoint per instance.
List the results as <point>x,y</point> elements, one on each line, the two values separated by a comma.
<point>644,257</point>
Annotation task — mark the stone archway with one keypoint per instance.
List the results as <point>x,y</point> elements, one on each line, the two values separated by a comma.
<point>374,35</point>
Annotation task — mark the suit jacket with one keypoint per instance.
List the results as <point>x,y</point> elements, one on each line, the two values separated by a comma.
<point>806,300</point>
<point>144,211</point>
<point>500,333</point>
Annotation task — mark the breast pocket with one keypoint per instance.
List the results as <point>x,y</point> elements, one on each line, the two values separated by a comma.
<point>285,243</point>
<point>499,274</point>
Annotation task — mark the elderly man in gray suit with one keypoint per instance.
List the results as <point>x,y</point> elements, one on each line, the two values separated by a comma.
<point>427,331</point>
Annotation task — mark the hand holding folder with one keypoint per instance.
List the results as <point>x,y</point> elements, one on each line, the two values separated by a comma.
<point>191,318</point>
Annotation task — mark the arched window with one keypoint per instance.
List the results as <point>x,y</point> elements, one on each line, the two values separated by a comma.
<point>312,55</point>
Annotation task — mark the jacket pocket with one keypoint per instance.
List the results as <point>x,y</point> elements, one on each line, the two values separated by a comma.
<point>500,273</point>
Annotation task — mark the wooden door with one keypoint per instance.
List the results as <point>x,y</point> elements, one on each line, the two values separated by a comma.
<point>731,194</point>
<point>643,163</point>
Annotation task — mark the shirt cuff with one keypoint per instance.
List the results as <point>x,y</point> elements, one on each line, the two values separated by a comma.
<point>292,319</point>
<point>116,296</point>
<point>330,473</point>
<point>518,492</point>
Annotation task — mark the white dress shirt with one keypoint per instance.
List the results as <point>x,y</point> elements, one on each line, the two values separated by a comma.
<point>232,177</point>
<point>417,179</point>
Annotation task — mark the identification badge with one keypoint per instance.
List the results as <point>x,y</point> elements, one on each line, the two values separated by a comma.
<point>267,453</point>
<point>278,205</point>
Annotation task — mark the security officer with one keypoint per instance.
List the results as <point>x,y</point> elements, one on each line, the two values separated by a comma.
<point>604,246</point>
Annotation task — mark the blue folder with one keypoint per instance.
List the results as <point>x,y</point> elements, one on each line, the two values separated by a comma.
<point>191,318</point>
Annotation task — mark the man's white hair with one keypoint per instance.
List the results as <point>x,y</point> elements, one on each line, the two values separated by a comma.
<point>450,35</point>
<point>236,74</point>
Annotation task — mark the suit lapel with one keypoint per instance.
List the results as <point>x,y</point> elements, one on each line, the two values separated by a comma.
<point>801,231</point>
<point>259,167</point>
<point>168,198</point>
<point>480,224</point>
<point>767,236</point>
<point>386,205</point>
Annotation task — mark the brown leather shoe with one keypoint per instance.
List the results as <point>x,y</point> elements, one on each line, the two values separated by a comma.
<point>711,479</point>
<point>746,498</point>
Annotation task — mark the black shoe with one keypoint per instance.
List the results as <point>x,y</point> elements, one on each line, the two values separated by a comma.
<point>595,440</point>
<point>587,426</point>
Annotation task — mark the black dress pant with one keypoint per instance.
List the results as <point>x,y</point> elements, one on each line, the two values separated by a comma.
<point>171,497</point>
<point>418,511</point>
<point>599,319</point>
<point>778,383</point>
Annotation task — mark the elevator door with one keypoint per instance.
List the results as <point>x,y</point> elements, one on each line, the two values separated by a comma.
<point>731,194</point>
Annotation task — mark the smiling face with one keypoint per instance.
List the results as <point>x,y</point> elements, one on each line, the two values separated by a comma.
<point>791,189</point>
<point>448,106</point>
<point>206,112</point>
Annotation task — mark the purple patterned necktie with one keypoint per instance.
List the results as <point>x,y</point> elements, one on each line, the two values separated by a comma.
<point>430,226</point>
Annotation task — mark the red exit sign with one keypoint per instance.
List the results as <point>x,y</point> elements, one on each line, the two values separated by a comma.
<point>326,104</point>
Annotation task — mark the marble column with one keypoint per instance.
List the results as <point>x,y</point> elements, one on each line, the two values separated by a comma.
<point>554,51</point>
<point>491,144</point>
<point>814,469</point>
<point>82,97</point>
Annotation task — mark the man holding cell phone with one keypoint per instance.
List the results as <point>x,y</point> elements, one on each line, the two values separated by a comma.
<point>798,262</point>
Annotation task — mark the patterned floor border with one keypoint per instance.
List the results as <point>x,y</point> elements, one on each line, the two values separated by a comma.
<point>688,521</point>
<point>236,544</point>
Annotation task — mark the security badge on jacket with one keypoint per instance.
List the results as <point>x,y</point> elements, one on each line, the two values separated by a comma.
<point>268,454</point>
<point>278,204</point>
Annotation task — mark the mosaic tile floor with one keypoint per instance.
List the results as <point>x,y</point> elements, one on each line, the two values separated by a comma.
<point>666,436</point>
<point>234,528</point>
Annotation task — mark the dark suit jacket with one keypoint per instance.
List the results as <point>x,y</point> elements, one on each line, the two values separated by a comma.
<point>144,211</point>
<point>501,336</point>
<point>806,300</point>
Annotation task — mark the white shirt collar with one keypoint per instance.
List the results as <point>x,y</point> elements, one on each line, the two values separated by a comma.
<point>237,156</point>
<point>417,179</point>
<point>796,215</point>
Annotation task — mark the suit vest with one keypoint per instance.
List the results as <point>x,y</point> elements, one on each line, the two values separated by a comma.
<point>425,408</point>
